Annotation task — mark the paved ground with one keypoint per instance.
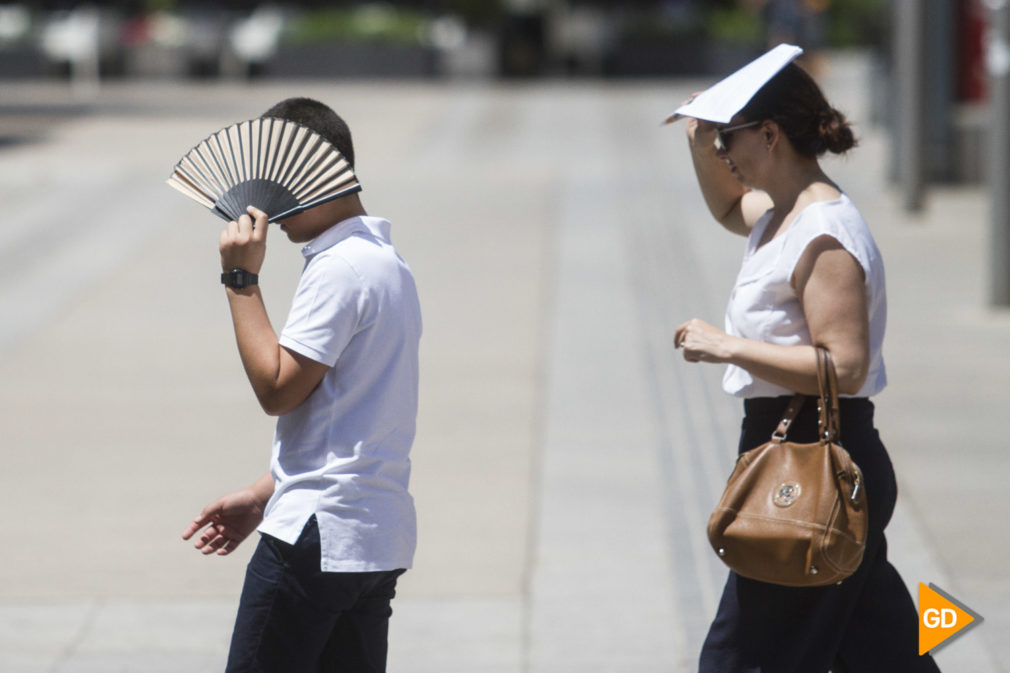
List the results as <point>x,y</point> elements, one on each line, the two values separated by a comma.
<point>566,458</point>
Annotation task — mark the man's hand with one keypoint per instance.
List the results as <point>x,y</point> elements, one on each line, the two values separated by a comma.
<point>243,244</point>
<point>229,520</point>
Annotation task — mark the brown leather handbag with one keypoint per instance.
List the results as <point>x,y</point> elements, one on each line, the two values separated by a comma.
<point>795,514</point>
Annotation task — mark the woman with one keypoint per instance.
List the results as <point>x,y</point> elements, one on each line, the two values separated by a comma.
<point>811,275</point>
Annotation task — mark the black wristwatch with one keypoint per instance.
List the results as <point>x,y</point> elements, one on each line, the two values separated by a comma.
<point>239,278</point>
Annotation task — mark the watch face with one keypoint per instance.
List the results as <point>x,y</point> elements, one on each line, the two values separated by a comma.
<point>238,278</point>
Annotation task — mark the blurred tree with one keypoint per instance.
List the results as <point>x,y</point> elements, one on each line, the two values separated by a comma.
<point>858,22</point>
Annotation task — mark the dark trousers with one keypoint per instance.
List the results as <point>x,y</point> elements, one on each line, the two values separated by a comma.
<point>294,618</point>
<point>866,624</point>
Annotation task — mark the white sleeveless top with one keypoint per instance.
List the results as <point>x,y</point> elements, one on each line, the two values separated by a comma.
<point>764,307</point>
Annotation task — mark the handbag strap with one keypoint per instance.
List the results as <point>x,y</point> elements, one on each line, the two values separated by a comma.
<point>827,385</point>
<point>788,417</point>
<point>827,406</point>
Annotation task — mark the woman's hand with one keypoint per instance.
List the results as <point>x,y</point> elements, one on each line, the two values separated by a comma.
<point>703,130</point>
<point>701,133</point>
<point>702,342</point>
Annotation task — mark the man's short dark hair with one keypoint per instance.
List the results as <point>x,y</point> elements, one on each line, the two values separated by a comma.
<point>318,117</point>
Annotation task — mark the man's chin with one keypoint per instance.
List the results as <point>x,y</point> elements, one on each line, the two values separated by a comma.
<point>295,238</point>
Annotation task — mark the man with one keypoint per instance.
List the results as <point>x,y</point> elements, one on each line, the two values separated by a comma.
<point>337,523</point>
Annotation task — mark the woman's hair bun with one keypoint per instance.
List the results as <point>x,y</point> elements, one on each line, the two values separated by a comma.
<point>836,132</point>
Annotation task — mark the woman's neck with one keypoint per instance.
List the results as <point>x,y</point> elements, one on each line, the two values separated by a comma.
<point>793,190</point>
<point>801,183</point>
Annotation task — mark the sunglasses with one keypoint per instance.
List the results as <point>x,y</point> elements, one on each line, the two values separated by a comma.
<point>722,134</point>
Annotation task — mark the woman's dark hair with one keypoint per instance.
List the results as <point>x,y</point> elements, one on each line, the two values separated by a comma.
<point>318,117</point>
<point>794,101</point>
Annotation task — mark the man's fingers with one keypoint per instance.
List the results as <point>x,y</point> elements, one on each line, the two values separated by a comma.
<point>210,547</point>
<point>208,515</point>
<point>208,534</point>
<point>228,236</point>
<point>245,225</point>
<point>220,544</point>
<point>261,218</point>
<point>196,524</point>
<point>190,530</point>
<point>209,540</point>
<point>228,548</point>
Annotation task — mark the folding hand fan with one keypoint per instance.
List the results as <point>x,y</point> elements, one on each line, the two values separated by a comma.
<point>277,165</point>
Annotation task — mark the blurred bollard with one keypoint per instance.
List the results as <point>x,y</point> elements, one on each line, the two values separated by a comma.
<point>910,77</point>
<point>998,63</point>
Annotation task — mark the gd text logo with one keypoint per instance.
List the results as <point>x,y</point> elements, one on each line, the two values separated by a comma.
<point>941,617</point>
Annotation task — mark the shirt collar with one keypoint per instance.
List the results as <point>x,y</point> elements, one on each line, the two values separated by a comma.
<point>335,234</point>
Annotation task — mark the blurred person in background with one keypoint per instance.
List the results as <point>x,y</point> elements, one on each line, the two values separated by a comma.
<point>799,22</point>
<point>336,521</point>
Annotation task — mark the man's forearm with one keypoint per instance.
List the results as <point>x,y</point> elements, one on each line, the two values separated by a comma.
<point>257,342</point>
<point>263,488</point>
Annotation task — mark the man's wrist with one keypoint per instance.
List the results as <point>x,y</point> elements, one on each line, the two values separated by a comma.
<point>239,278</point>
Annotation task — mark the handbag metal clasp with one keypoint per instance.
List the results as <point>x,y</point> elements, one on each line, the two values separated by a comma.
<point>856,485</point>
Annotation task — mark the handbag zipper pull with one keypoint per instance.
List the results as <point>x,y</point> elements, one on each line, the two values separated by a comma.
<point>856,485</point>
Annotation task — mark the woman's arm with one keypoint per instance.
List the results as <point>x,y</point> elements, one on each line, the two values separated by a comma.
<point>734,206</point>
<point>831,287</point>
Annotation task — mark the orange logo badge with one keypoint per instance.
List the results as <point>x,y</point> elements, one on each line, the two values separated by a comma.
<point>941,617</point>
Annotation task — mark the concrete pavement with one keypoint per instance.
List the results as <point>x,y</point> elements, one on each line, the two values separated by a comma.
<point>566,458</point>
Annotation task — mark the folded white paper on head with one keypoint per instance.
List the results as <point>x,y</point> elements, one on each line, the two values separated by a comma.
<point>724,99</point>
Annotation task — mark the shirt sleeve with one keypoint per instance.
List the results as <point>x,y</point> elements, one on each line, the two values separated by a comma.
<point>326,310</point>
<point>824,224</point>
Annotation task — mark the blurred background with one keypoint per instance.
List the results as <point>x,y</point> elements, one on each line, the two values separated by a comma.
<point>418,38</point>
<point>85,44</point>
<point>566,457</point>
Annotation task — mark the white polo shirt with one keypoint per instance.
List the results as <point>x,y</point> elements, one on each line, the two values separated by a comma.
<point>764,307</point>
<point>343,453</point>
